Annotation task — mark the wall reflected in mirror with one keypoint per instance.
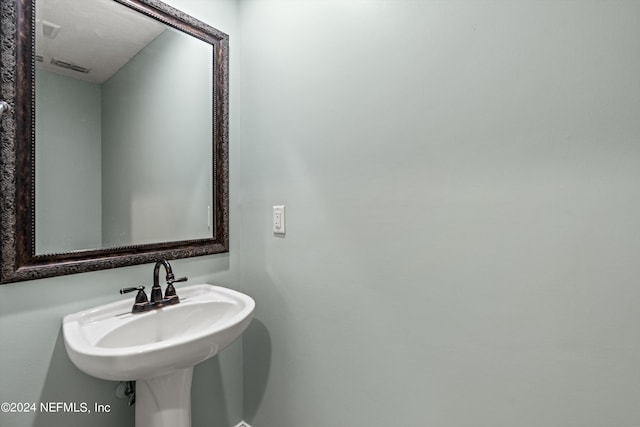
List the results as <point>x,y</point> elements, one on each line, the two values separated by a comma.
<point>124,124</point>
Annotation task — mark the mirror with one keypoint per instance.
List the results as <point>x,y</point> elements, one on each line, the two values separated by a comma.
<point>115,144</point>
<point>123,113</point>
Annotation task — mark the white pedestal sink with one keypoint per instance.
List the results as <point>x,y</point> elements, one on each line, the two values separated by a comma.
<point>157,349</point>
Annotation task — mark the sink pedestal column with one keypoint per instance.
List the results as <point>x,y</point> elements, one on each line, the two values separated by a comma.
<point>164,401</point>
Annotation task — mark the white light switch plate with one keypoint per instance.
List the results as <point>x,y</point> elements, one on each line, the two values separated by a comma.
<point>278,220</point>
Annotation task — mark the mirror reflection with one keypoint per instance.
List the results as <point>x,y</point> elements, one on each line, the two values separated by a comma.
<point>124,125</point>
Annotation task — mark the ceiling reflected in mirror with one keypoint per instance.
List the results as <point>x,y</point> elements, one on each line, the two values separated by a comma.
<point>90,39</point>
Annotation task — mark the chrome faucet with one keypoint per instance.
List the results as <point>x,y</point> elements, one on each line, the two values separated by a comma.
<point>157,300</point>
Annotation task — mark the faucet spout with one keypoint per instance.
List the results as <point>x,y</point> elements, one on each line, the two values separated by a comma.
<point>157,300</point>
<point>170,296</point>
<point>156,272</point>
<point>156,290</point>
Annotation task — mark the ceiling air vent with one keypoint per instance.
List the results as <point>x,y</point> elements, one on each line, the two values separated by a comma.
<point>69,66</point>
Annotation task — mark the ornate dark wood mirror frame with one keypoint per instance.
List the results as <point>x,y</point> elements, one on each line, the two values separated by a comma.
<point>19,261</point>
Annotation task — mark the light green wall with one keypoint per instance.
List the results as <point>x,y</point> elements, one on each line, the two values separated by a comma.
<point>33,363</point>
<point>68,202</point>
<point>461,184</point>
<point>157,110</point>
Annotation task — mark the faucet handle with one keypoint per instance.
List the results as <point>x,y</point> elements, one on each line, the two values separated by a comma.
<point>172,281</point>
<point>142,302</point>
<point>127,290</point>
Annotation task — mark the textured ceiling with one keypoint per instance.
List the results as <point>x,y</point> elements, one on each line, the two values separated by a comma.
<point>98,35</point>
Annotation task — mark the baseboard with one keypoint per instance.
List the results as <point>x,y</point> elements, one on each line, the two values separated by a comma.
<point>242,424</point>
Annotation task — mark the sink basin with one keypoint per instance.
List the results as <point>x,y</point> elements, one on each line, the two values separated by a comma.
<point>109,342</point>
<point>159,348</point>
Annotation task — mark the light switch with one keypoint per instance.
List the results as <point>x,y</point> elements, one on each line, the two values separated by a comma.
<point>278,220</point>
